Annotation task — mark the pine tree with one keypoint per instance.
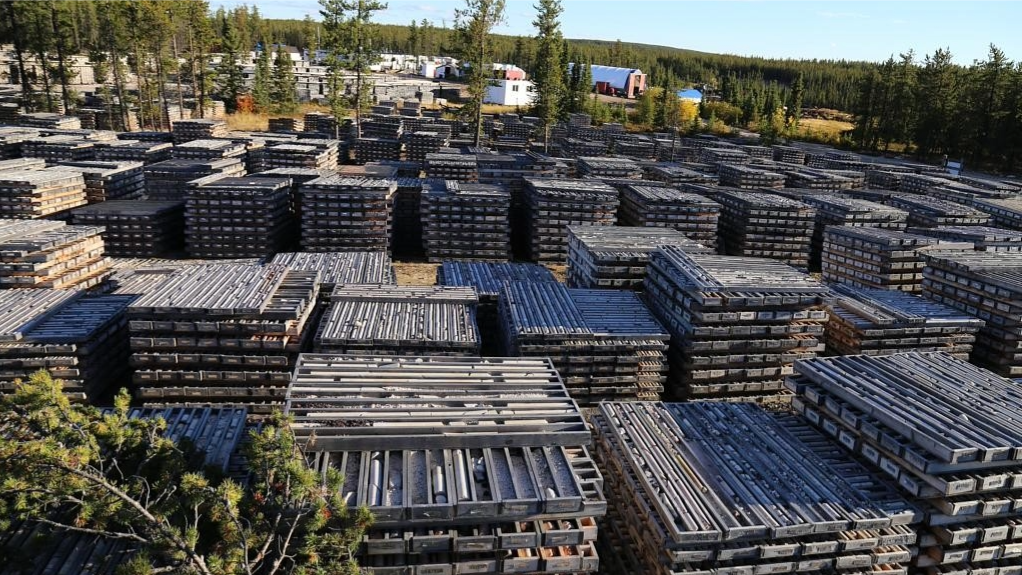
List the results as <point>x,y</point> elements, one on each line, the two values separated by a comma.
<point>580,85</point>
<point>230,79</point>
<point>937,99</point>
<point>585,81</point>
<point>548,76</point>
<point>794,109</point>
<point>474,24</point>
<point>426,31</point>
<point>16,31</point>
<point>200,33</point>
<point>989,89</point>
<point>334,42</point>
<point>114,42</point>
<point>414,46</point>
<point>61,27</point>
<point>359,32</point>
<point>750,108</point>
<point>283,91</point>
<point>667,109</point>
<point>646,107</point>
<point>770,102</point>
<point>113,477</point>
<point>566,70</point>
<point>40,36</point>
<point>261,84</point>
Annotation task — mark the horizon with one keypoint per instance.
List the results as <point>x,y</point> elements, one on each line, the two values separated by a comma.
<point>864,30</point>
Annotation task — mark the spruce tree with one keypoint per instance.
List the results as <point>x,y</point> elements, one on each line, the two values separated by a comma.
<point>794,111</point>
<point>548,75</point>
<point>261,85</point>
<point>333,14</point>
<point>585,82</point>
<point>283,91</point>
<point>200,36</point>
<point>474,24</point>
<point>360,34</point>
<point>230,79</point>
<point>414,45</point>
<point>667,110</point>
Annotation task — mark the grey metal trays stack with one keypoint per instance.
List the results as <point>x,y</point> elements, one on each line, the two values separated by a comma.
<point>928,212</point>
<point>208,150</point>
<point>342,213</point>
<point>724,488</point>
<point>983,238</point>
<point>376,149</point>
<point>465,221</point>
<point>58,148</point>
<point>27,194</point>
<point>400,320</point>
<point>51,254</point>
<point>198,129</point>
<point>603,167</point>
<point>221,334</point>
<point>737,324</point>
<point>238,217</point>
<point>694,215</point>
<point>424,142</point>
<point>468,465</point>
<point>749,177</point>
<point>987,285</point>
<point>452,166</point>
<point>300,154</point>
<point>168,181</point>
<point>487,278</point>
<point>111,180</point>
<point>132,151</point>
<point>878,258</point>
<point>136,228</point>
<point>834,210</point>
<point>616,257</point>
<point>765,225</point>
<point>606,344</point>
<point>882,322</point>
<point>341,267</point>
<point>80,339</point>
<point>946,431</point>
<point>555,204</point>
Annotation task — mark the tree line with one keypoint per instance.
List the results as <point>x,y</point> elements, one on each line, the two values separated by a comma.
<point>935,108</point>
<point>148,54</point>
<point>826,83</point>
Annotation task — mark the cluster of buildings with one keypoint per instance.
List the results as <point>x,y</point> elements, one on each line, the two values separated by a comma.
<point>509,84</point>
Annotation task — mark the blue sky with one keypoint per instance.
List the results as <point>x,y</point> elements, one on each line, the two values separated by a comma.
<point>862,30</point>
